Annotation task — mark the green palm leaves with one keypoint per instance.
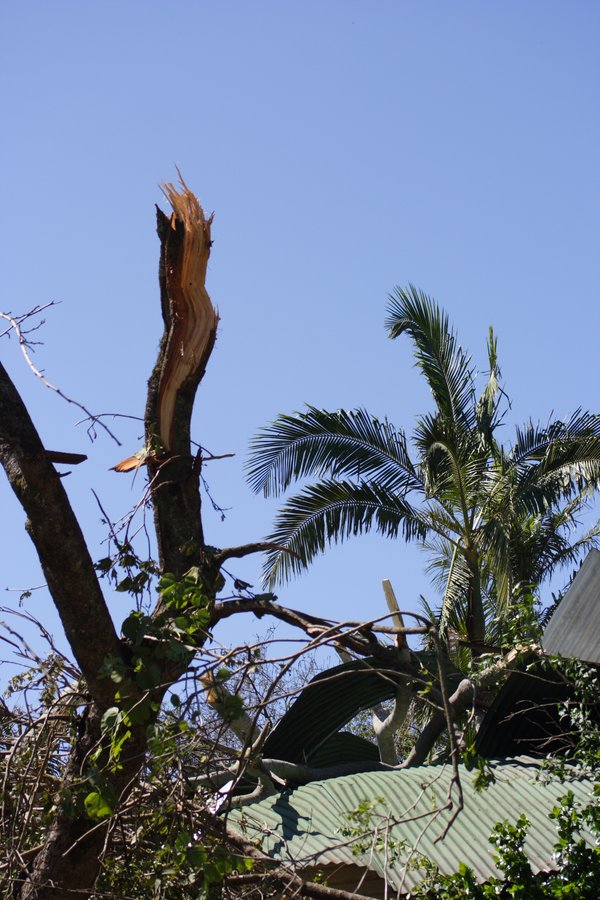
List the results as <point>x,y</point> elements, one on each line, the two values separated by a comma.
<point>444,364</point>
<point>365,476</point>
<point>491,516</point>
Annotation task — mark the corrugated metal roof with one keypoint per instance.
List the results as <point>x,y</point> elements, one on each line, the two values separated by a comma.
<point>343,747</point>
<point>303,827</point>
<point>574,629</point>
<point>331,699</point>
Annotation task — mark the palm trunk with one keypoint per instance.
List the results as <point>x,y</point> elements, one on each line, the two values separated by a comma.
<point>475,612</point>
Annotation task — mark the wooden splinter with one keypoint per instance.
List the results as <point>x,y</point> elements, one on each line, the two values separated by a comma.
<point>390,597</point>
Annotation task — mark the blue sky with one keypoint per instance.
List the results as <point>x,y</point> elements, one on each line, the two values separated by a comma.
<point>345,148</point>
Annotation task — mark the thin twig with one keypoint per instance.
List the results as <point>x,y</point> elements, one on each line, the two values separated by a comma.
<point>15,325</point>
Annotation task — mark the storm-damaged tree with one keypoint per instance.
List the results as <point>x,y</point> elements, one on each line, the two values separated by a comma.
<point>96,780</point>
<point>125,677</point>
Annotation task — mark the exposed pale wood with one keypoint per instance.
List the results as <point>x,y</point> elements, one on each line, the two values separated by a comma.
<point>191,317</point>
<point>220,698</point>
<point>131,462</point>
<point>194,320</point>
<point>393,607</point>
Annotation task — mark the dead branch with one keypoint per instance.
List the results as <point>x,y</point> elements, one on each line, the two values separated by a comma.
<point>69,459</point>
<point>190,328</point>
<point>190,320</point>
<point>193,319</point>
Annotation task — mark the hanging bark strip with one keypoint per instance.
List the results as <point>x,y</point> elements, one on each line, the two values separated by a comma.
<point>190,324</point>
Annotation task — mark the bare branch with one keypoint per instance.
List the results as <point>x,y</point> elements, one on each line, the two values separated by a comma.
<point>458,702</point>
<point>246,549</point>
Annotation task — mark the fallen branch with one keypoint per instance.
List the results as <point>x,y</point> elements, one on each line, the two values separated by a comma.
<point>458,702</point>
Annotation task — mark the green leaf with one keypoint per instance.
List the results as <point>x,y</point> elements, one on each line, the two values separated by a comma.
<point>135,627</point>
<point>97,807</point>
<point>111,719</point>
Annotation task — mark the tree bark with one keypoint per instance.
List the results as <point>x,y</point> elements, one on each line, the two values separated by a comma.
<point>58,539</point>
<point>475,612</point>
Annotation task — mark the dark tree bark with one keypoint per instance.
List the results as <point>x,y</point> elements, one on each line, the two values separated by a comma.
<point>58,539</point>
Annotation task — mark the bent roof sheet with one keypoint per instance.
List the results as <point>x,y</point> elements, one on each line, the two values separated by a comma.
<point>303,827</point>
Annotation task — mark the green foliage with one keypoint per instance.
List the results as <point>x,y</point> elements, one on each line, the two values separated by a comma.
<point>183,866</point>
<point>484,774</point>
<point>127,572</point>
<point>97,806</point>
<point>493,517</point>
<point>367,828</point>
<point>183,593</point>
<point>170,636</point>
<point>578,716</point>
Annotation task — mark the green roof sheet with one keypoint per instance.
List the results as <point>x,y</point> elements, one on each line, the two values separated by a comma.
<point>303,827</point>
<point>331,699</point>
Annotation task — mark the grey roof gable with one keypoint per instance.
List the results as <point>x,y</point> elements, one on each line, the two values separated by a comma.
<point>574,629</point>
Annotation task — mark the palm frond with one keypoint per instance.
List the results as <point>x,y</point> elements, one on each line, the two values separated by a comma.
<point>548,466</point>
<point>453,464</point>
<point>448,572</point>
<point>330,512</point>
<point>342,443</point>
<point>458,580</point>
<point>444,363</point>
<point>576,441</point>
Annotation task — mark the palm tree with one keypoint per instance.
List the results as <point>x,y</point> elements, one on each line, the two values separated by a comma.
<point>494,517</point>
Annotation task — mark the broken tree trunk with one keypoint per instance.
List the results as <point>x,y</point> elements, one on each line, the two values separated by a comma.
<point>69,860</point>
<point>190,331</point>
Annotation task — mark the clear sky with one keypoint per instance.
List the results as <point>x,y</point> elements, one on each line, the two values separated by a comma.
<point>345,147</point>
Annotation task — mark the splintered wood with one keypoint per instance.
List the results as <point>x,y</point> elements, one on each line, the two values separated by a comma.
<point>193,319</point>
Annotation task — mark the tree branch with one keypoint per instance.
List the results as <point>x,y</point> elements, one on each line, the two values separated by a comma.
<point>246,549</point>
<point>457,703</point>
<point>59,542</point>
